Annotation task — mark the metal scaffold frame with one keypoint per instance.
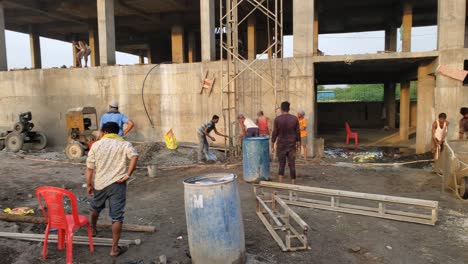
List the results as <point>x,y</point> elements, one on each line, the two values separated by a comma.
<point>236,65</point>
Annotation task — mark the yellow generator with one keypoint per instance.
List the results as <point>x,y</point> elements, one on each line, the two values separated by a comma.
<point>82,128</point>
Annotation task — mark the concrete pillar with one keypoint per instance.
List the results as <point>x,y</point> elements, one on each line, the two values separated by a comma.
<point>404,110</point>
<point>389,88</point>
<point>303,28</point>
<point>316,32</point>
<point>3,53</point>
<point>177,42</point>
<point>141,57</point>
<point>391,39</point>
<point>149,55</point>
<point>390,105</point>
<point>207,28</point>
<point>106,28</point>
<point>192,47</point>
<point>74,51</point>
<point>451,22</point>
<point>251,38</point>
<point>426,108</point>
<point>94,47</point>
<point>407,27</point>
<point>35,46</point>
<point>301,82</point>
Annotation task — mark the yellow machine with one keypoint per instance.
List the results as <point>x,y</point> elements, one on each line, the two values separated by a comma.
<point>82,131</point>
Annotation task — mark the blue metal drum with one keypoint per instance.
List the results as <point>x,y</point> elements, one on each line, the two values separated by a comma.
<point>256,159</point>
<point>214,219</point>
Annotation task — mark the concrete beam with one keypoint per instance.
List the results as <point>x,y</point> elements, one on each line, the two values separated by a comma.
<point>35,47</point>
<point>251,38</point>
<point>192,47</point>
<point>407,27</point>
<point>93,40</point>
<point>106,27</point>
<point>303,27</point>
<point>451,22</point>
<point>207,29</point>
<point>3,53</point>
<point>177,42</point>
<point>404,110</point>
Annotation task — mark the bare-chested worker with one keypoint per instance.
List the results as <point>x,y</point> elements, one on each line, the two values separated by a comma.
<point>83,52</point>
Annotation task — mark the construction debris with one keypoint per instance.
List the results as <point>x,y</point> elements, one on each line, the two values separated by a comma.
<point>42,220</point>
<point>282,225</point>
<point>383,206</point>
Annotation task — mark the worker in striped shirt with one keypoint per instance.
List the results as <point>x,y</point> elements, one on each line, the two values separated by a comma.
<point>203,132</point>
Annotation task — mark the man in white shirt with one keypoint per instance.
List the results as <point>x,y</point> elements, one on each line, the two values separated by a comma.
<point>248,126</point>
<point>108,159</point>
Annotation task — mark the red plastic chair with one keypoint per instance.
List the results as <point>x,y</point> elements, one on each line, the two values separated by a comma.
<point>57,218</point>
<point>350,135</point>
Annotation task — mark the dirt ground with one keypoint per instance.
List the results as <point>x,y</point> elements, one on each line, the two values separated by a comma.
<point>159,201</point>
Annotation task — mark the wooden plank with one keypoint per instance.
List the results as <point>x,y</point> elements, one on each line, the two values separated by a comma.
<point>272,232</point>
<point>42,220</point>
<point>348,194</point>
<point>359,212</point>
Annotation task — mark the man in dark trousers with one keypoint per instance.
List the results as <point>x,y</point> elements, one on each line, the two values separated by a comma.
<point>286,130</point>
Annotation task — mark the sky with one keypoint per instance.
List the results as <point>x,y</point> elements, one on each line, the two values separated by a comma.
<point>56,53</point>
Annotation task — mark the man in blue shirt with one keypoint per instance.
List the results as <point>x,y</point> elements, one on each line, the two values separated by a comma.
<point>115,116</point>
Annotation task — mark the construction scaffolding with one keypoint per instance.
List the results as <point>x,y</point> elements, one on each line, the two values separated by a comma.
<point>234,66</point>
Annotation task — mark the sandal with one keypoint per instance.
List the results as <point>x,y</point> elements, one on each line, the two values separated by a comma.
<point>120,251</point>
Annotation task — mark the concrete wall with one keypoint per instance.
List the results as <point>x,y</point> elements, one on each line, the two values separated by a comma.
<point>172,95</point>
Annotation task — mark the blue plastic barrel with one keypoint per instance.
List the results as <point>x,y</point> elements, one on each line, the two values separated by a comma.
<point>256,159</point>
<point>214,219</point>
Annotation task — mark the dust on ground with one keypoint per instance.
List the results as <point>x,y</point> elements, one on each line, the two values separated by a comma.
<point>334,237</point>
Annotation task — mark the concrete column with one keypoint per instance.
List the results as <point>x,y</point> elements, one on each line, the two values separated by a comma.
<point>149,55</point>
<point>390,105</point>
<point>141,57</point>
<point>316,32</point>
<point>426,108</point>
<point>207,28</point>
<point>303,27</point>
<point>407,27</point>
<point>106,28</point>
<point>35,46</point>
<point>389,88</point>
<point>75,60</point>
<point>177,42</point>
<point>94,47</point>
<point>391,39</point>
<point>451,22</point>
<point>251,38</point>
<point>404,110</point>
<point>3,53</point>
<point>192,47</point>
